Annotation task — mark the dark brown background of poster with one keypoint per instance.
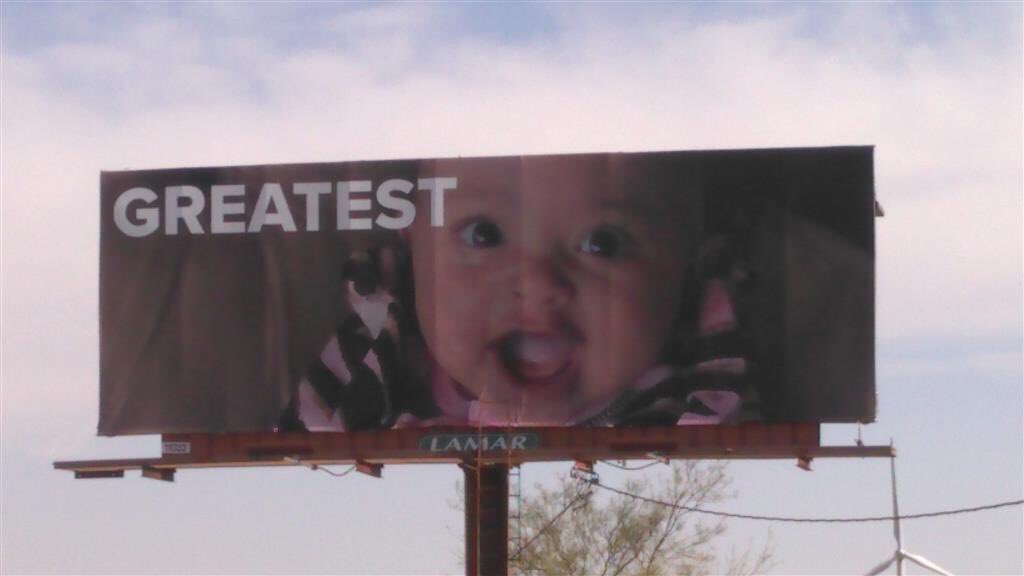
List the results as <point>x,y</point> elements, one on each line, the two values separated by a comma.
<point>211,333</point>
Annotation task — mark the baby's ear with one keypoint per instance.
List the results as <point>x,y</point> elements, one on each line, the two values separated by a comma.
<point>717,313</point>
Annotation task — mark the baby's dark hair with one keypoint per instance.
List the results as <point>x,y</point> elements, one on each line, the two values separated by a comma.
<point>394,383</point>
<point>710,349</point>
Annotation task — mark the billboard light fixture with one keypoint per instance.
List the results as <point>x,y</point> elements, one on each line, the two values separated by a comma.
<point>162,474</point>
<point>584,475</point>
<point>659,457</point>
<point>804,463</point>
<point>369,468</point>
<point>584,465</point>
<point>91,474</point>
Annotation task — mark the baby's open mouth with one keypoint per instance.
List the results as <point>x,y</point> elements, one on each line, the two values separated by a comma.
<point>534,358</point>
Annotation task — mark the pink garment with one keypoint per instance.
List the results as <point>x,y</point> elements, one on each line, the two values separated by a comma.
<point>725,405</point>
<point>717,314</point>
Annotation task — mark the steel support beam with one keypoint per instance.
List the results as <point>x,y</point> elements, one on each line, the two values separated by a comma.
<point>486,506</point>
<point>799,442</point>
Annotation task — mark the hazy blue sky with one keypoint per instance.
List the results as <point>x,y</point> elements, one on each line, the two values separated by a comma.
<point>936,87</point>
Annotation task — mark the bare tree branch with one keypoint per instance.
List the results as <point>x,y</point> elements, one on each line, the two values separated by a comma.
<point>624,536</point>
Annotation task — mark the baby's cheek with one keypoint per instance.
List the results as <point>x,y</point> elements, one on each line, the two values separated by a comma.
<point>627,323</point>
<point>454,302</point>
<point>461,321</point>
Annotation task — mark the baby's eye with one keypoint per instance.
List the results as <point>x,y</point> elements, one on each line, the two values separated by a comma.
<point>605,243</point>
<point>481,234</point>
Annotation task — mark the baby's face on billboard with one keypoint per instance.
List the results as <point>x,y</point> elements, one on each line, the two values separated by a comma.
<point>550,288</point>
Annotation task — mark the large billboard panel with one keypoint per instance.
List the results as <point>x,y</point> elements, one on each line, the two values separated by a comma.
<point>640,289</point>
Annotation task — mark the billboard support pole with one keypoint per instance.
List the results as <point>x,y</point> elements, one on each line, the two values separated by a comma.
<point>486,506</point>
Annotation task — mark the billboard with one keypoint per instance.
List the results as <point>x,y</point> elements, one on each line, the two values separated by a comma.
<point>623,289</point>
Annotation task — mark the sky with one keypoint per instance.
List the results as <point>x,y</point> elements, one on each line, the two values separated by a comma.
<point>935,87</point>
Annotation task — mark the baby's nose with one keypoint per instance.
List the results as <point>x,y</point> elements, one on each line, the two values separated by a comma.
<point>541,281</point>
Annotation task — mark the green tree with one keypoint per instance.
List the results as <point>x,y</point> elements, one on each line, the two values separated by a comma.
<point>577,529</point>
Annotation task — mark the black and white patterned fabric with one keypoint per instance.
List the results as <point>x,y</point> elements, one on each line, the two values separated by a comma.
<point>362,378</point>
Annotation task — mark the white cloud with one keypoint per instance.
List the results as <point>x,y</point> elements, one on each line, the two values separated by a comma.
<point>946,119</point>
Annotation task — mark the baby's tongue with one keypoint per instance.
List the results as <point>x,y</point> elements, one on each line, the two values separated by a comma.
<point>535,356</point>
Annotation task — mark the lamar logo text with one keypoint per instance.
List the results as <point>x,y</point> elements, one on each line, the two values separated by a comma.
<point>475,442</point>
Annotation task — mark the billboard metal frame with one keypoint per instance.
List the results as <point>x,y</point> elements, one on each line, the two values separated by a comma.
<point>485,456</point>
<point>548,444</point>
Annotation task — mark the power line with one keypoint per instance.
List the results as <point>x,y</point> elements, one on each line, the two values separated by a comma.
<point>641,467</point>
<point>332,472</point>
<point>810,520</point>
<point>316,467</point>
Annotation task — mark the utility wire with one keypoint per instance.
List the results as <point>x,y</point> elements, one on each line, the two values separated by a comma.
<point>332,472</point>
<point>641,467</point>
<point>315,467</point>
<point>579,495</point>
<point>810,520</point>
